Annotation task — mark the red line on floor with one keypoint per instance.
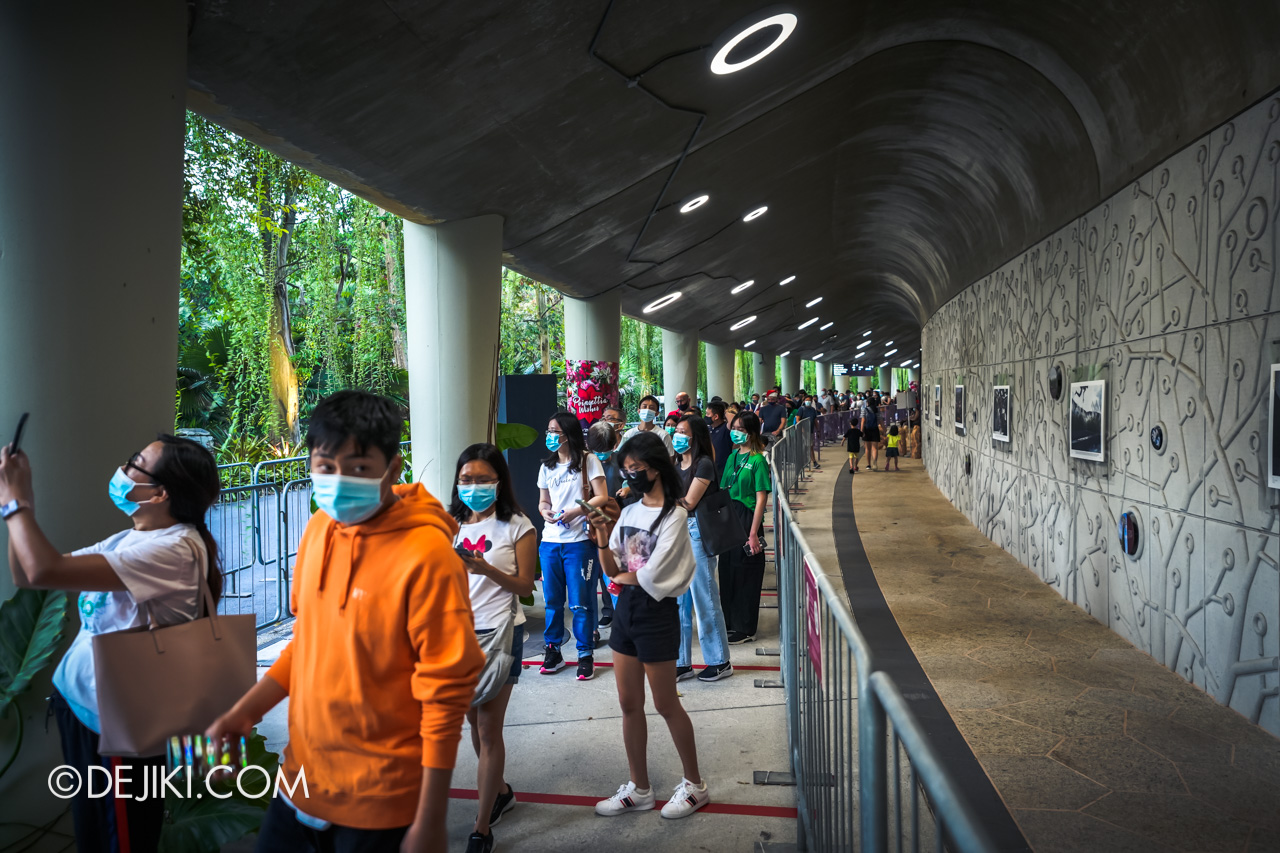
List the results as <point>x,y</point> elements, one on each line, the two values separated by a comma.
<point>572,800</point>
<point>536,662</point>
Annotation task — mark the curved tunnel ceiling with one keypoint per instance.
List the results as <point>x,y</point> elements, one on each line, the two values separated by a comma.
<point>903,150</point>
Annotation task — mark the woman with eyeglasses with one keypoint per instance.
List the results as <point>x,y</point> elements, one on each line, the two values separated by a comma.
<point>156,565</point>
<point>499,547</point>
<point>569,568</point>
<point>746,476</point>
<point>646,550</point>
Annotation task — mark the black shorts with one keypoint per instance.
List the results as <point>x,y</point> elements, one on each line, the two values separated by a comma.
<point>871,434</point>
<point>890,452</point>
<point>645,628</point>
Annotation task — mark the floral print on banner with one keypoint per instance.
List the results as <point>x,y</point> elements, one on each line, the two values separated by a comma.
<point>592,387</point>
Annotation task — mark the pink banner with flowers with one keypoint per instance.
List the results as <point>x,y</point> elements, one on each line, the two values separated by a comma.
<point>592,387</point>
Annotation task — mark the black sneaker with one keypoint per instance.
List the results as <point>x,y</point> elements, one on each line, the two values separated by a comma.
<point>683,673</point>
<point>717,672</point>
<point>586,667</point>
<point>736,639</point>
<point>595,637</point>
<point>606,621</point>
<point>503,804</point>
<point>478,843</point>
<point>552,661</point>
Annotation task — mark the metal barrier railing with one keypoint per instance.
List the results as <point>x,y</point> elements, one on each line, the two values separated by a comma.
<point>258,522</point>
<point>857,751</point>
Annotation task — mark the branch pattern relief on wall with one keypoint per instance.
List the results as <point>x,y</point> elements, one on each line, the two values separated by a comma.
<point>1167,292</point>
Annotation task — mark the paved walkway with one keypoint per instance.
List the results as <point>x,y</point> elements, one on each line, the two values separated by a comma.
<point>1091,743</point>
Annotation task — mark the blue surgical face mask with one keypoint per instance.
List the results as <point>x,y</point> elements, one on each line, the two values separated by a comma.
<point>737,436</point>
<point>604,457</point>
<point>680,443</point>
<point>647,415</point>
<point>670,430</point>
<point>479,496</point>
<point>120,487</point>
<point>553,441</point>
<point>348,500</point>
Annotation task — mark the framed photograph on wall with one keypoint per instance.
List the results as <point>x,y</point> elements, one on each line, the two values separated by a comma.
<point>937,405</point>
<point>960,409</point>
<point>1273,460</point>
<point>1000,413</point>
<point>1089,420</point>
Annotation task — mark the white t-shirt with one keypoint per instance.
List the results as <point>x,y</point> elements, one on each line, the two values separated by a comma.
<point>156,566</point>
<point>565,487</point>
<point>658,431</point>
<point>495,541</point>
<point>662,560</point>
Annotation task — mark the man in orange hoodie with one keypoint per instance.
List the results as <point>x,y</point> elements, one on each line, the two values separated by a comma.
<point>383,662</point>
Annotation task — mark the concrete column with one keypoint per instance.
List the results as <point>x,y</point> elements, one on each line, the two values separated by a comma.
<point>679,366</point>
<point>824,375</point>
<point>720,371</point>
<point>864,384</point>
<point>592,339</point>
<point>92,117</point>
<point>791,374</point>
<point>842,383</point>
<point>453,296</point>
<point>886,377</point>
<point>762,371</point>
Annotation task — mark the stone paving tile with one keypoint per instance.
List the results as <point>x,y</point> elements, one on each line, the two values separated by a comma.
<point>1060,647</point>
<point>1127,699</point>
<point>1235,792</point>
<point>988,733</point>
<point>1036,686</point>
<point>1175,741</point>
<point>1092,674</point>
<point>1037,782</point>
<point>1180,821</point>
<point>1073,832</point>
<point>976,695</point>
<point>1070,718</point>
<point>1120,763</point>
<point>953,666</point>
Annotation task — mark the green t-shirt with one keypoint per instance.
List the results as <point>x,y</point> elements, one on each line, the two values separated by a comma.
<point>744,475</point>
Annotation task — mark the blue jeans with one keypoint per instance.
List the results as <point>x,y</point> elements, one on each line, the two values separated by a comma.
<point>703,596</point>
<point>570,569</point>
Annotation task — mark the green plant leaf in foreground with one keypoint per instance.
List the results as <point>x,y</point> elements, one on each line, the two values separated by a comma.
<point>514,436</point>
<point>204,825</point>
<point>30,630</point>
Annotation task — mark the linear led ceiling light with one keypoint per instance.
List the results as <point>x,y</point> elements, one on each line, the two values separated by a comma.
<point>864,344</point>
<point>743,286</point>
<point>867,332</point>
<point>885,364</point>
<point>906,363</point>
<point>828,326</point>
<point>813,302</point>
<point>807,323</point>
<point>661,302</point>
<point>755,214</point>
<point>785,354</point>
<point>744,322</point>
<point>917,364</point>
<point>749,343</point>
<point>818,356</point>
<point>889,344</point>
<point>694,203</point>
<point>890,352</point>
<point>786,24</point>
<point>787,280</point>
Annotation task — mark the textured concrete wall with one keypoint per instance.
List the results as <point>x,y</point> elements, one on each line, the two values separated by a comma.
<point>1168,292</point>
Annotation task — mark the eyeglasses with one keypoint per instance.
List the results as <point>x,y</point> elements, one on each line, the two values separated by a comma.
<point>131,464</point>
<point>477,481</point>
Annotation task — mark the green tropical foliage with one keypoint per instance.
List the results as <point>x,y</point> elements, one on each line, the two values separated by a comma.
<point>30,630</point>
<point>205,824</point>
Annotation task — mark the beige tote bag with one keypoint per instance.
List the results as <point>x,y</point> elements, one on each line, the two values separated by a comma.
<point>155,682</point>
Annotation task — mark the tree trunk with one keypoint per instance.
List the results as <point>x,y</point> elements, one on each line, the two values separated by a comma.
<point>284,378</point>
<point>544,339</point>
<point>395,290</point>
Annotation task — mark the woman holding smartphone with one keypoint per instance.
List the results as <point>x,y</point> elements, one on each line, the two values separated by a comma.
<point>746,476</point>
<point>499,547</point>
<point>155,565</point>
<point>648,554</point>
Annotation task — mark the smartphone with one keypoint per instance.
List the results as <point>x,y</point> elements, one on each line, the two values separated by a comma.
<point>17,436</point>
<point>464,552</point>
<point>594,510</point>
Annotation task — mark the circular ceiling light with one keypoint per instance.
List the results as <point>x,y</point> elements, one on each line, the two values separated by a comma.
<point>828,326</point>
<point>787,280</point>
<point>755,214</point>
<point>743,286</point>
<point>812,303</point>
<point>864,344</point>
<point>807,323</point>
<point>786,24</point>
<point>661,302</point>
<point>738,325</point>
<point>694,203</point>
<point>749,343</point>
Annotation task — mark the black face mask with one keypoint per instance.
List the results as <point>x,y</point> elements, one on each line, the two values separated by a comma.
<point>641,481</point>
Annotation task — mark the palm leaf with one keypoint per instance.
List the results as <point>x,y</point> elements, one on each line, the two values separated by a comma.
<point>30,630</point>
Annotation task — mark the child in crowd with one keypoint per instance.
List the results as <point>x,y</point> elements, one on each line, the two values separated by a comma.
<point>853,443</point>
<point>891,449</point>
<point>646,549</point>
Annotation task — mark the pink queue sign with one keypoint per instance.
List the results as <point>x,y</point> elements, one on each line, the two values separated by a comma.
<point>812,621</point>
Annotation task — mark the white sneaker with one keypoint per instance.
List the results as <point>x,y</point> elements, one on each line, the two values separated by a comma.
<point>686,800</point>
<point>626,800</point>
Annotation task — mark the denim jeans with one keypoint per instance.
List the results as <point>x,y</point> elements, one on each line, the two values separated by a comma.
<point>702,596</point>
<point>570,570</point>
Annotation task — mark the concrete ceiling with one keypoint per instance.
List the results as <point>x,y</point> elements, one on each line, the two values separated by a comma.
<point>903,149</point>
